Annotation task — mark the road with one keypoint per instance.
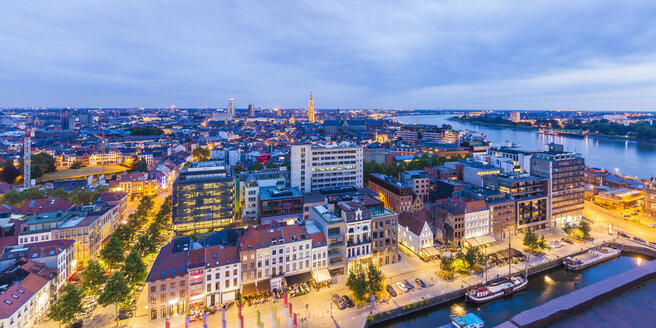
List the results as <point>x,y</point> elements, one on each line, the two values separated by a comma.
<point>603,217</point>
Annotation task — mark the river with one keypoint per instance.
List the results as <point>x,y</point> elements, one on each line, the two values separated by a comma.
<point>627,157</point>
<point>541,288</point>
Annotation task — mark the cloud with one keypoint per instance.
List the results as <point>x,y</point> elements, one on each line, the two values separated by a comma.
<point>351,54</point>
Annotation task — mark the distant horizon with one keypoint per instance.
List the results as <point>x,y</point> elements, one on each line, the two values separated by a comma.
<point>539,55</point>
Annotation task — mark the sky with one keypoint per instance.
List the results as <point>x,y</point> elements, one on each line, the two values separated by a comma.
<point>569,55</point>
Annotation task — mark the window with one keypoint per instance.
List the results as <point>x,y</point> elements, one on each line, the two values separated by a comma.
<point>153,289</point>
<point>162,287</point>
<point>172,284</point>
<point>182,283</point>
<point>153,299</point>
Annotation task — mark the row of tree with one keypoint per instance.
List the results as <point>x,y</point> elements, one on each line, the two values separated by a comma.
<point>79,196</point>
<point>394,169</point>
<point>581,229</point>
<point>126,271</point>
<point>361,281</point>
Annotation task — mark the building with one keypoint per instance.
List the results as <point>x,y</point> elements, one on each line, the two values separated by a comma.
<point>222,274</point>
<point>25,294</point>
<point>650,197</point>
<point>471,171</point>
<point>395,195</point>
<point>203,197</point>
<point>530,195</point>
<point>316,167</point>
<point>440,173</point>
<point>67,121</point>
<point>231,108</point>
<point>620,198</point>
<point>168,280</point>
<point>247,190</point>
<point>515,116</point>
<point>138,184</point>
<point>415,233</point>
<point>464,218</point>
<point>418,180</point>
<point>374,152</point>
<point>251,110</point>
<point>566,183</point>
<point>280,204</point>
<point>520,156</point>
<point>311,109</point>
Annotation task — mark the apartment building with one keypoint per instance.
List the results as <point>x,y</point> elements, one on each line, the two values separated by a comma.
<point>25,293</point>
<point>315,167</point>
<point>530,195</point>
<point>650,197</point>
<point>565,173</point>
<point>464,218</point>
<point>418,180</point>
<point>395,195</point>
<point>247,190</point>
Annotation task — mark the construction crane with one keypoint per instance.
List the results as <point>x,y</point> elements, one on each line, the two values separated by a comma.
<point>102,138</point>
<point>27,158</point>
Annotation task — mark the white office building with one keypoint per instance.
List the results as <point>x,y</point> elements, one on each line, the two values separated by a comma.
<point>315,167</point>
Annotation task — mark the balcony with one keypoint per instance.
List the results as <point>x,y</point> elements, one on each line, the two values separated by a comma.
<point>358,243</point>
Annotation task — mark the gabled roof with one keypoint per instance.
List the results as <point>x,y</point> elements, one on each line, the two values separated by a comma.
<point>413,222</point>
<point>168,264</point>
<point>51,204</point>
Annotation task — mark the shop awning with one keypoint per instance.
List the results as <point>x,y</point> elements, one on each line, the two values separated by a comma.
<point>248,289</point>
<point>298,278</point>
<point>321,275</point>
<point>430,251</point>
<point>482,240</point>
<point>263,286</point>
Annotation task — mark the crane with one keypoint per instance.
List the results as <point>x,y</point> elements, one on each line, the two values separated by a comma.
<point>102,138</point>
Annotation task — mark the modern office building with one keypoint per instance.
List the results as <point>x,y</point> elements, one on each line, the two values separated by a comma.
<point>203,196</point>
<point>520,156</point>
<point>247,191</point>
<point>530,195</point>
<point>280,204</point>
<point>565,173</point>
<point>418,180</point>
<point>315,167</point>
<point>251,110</point>
<point>231,108</point>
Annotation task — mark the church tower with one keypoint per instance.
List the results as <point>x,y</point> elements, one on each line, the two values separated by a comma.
<point>311,109</point>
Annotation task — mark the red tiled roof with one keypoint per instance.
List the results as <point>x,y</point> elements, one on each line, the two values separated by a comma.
<point>216,256</point>
<point>38,206</point>
<point>168,264</point>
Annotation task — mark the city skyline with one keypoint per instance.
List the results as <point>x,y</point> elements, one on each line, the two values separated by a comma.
<point>478,55</point>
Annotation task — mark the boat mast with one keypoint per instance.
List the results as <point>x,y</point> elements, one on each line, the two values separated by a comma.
<point>509,258</point>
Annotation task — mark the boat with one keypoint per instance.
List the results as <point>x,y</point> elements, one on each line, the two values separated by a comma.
<point>500,287</point>
<point>497,289</point>
<point>592,257</point>
<point>469,320</point>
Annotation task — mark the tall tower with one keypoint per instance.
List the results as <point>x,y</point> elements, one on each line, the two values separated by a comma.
<point>27,154</point>
<point>231,107</point>
<point>311,109</point>
<point>251,110</point>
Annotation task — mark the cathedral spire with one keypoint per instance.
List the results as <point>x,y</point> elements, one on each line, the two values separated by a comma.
<point>311,109</point>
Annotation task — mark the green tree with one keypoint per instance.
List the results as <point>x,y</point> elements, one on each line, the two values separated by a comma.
<point>124,233</point>
<point>93,277</point>
<point>139,165</point>
<point>200,154</point>
<point>9,173</point>
<point>113,254</point>
<point>445,263</point>
<point>474,256</point>
<point>36,171</point>
<point>116,292</point>
<point>257,166</point>
<point>76,165</point>
<point>46,161</point>
<point>357,283</point>
<point>146,244</point>
<point>542,243</point>
<point>584,226</point>
<point>81,196</point>
<point>134,268</point>
<point>531,240</point>
<point>270,165</point>
<point>375,278</point>
<point>60,193</point>
<point>67,305</point>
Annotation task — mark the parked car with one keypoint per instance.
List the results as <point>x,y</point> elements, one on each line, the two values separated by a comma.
<point>408,284</point>
<point>338,301</point>
<point>228,305</point>
<point>402,286</point>
<point>550,245</point>
<point>652,225</point>
<point>76,324</point>
<point>83,315</point>
<point>420,283</point>
<point>558,243</point>
<point>623,234</point>
<point>347,300</point>
<point>391,291</point>
<point>640,240</point>
<point>568,241</point>
<point>124,316</point>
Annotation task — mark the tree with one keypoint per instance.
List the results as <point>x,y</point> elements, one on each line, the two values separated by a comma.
<point>116,292</point>
<point>93,277</point>
<point>76,165</point>
<point>146,244</point>
<point>271,165</point>
<point>67,305</point>
<point>134,268</point>
<point>45,160</point>
<point>376,279</point>
<point>445,263</point>
<point>113,253</point>
<point>36,171</point>
<point>530,239</point>
<point>584,226</point>
<point>474,256</point>
<point>140,165</point>
<point>357,283</point>
<point>9,173</point>
<point>200,154</point>
<point>81,196</point>
<point>257,166</point>
<point>124,233</point>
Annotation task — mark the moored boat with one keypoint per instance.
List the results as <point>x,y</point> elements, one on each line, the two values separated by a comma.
<point>497,289</point>
<point>592,257</point>
<point>469,320</point>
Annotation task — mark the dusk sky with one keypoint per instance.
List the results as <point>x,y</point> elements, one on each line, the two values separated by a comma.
<point>576,55</point>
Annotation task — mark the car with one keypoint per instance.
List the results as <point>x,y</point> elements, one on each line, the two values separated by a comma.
<point>640,240</point>
<point>391,291</point>
<point>652,225</point>
<point>348,301</point>
<point>338,301</point>
<point>402,287</point>
<point>228,305</point>
<point>568,241</point>
<point>623,234</point>
<point>550,245</point>
<point>558,243</point>
<point>124,316</point>
<point>89,307</point>
<point>83,315</point>
<point>408,284</point>
<point>420,283</point>
<point>76,324</point>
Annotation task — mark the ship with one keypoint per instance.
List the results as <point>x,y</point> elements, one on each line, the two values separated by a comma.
<point>592,257</point>
<point>497,289</point>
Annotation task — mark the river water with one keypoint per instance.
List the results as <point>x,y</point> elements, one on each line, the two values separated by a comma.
<point>628,157</point>
<point>541,288</point>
